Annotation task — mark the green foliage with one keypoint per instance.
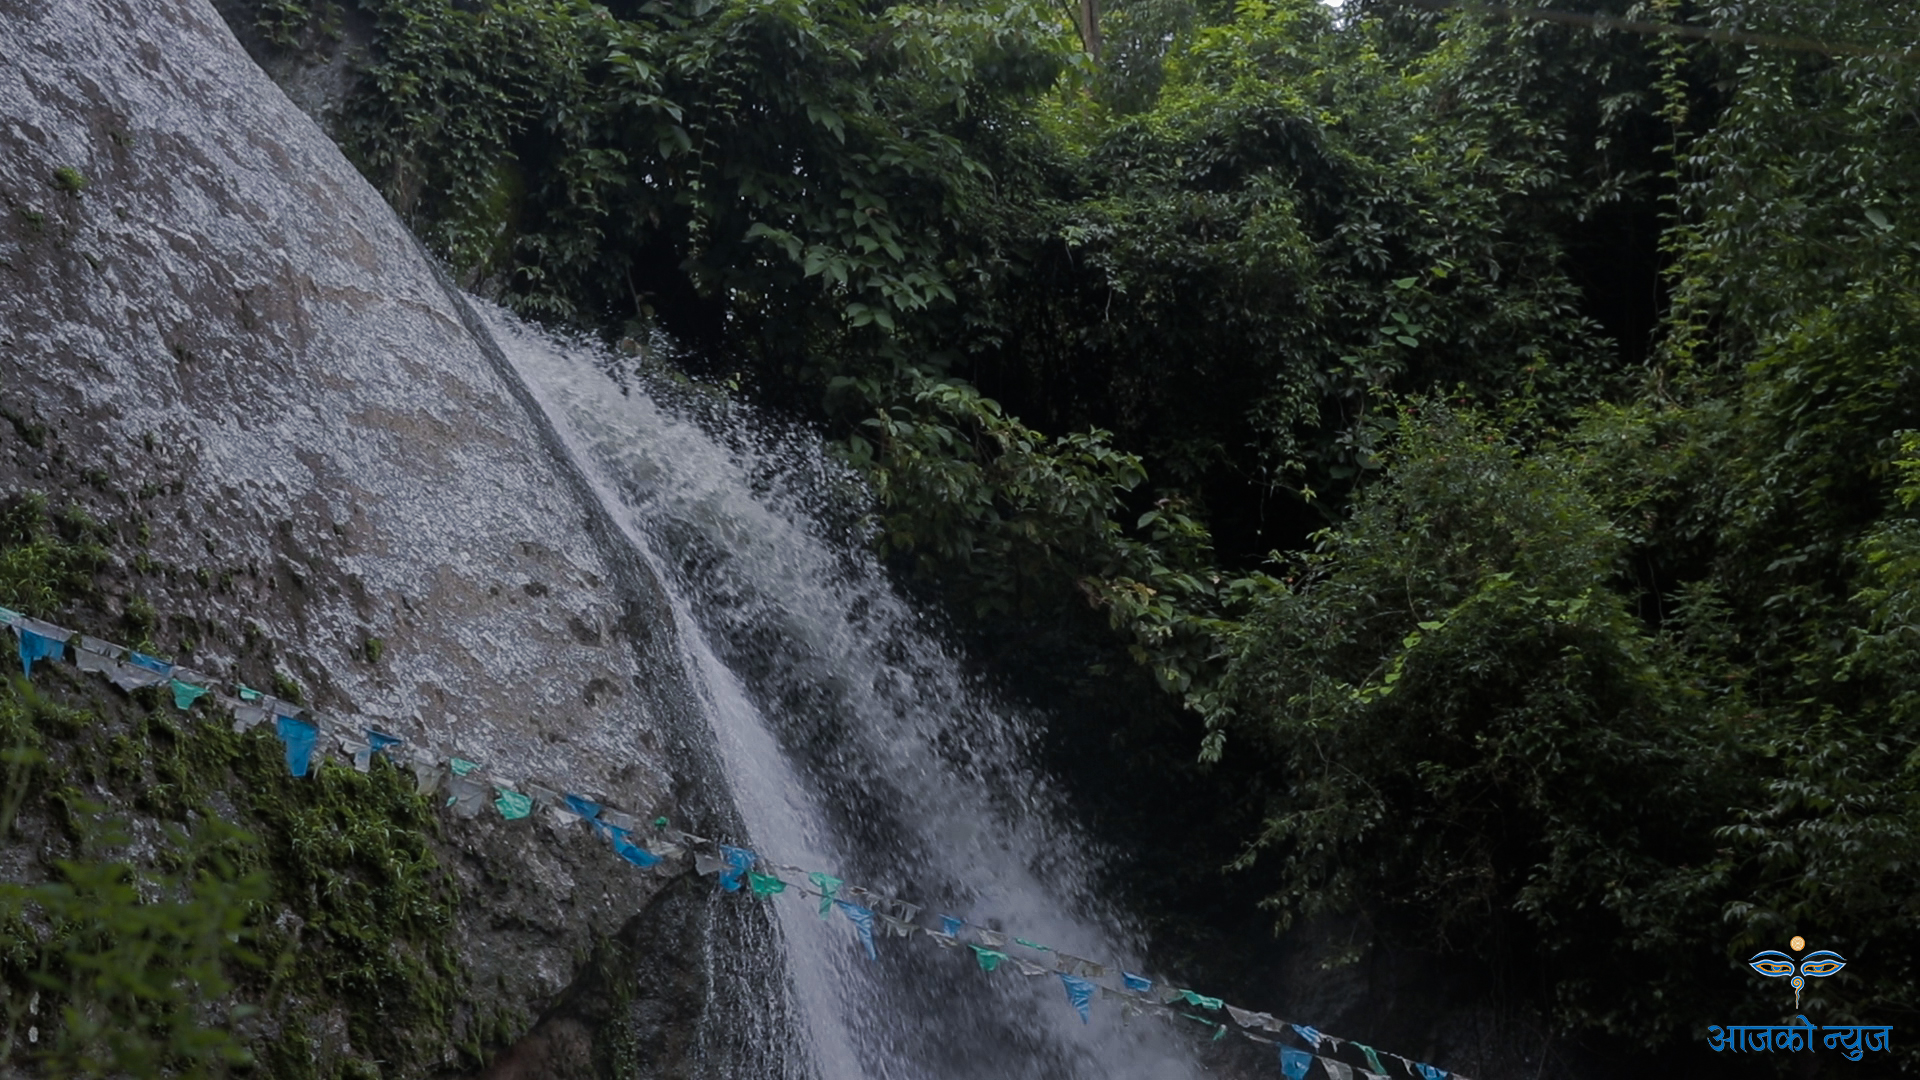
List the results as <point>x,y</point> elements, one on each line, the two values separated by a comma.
<point>109,969</point>
<point>41,561</point>
<point>977,496</point>
<point>68,179</point>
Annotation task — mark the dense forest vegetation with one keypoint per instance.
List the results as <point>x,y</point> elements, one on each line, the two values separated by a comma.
<point>1497,438</point>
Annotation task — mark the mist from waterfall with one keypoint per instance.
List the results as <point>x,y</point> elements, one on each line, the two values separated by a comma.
<point>851,738</point>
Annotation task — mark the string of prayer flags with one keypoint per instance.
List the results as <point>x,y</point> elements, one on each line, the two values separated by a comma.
<point>989,958</point>
<point>185,694</point>
<point>299,737</point>
<point>739,860</point>
<point>828,886</point>
<point>472,790</point>
<point>1080,993</point>
<point>862,920</point>
<point>512,804</point>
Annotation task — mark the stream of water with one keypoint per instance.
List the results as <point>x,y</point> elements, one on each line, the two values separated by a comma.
<point>851,737</point>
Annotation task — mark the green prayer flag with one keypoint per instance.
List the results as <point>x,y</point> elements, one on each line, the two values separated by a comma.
<point>660,823</point>
<point>828,886</point>
<point>765,884</point>
<point>513,805</point>
<point>988,958</point>
<point>1201,1000</point>
<point>247,693</point>
<point>1373,1059</point>
<point>1032,945</point>
<point>460,766</point>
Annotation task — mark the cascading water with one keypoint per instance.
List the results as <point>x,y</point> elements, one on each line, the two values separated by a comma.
<point>852,742</point>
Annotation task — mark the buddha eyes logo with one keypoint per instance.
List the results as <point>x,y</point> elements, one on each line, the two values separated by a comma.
<point>1776,964</point>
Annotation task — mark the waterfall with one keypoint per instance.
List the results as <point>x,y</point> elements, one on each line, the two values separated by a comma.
<point>851,738</point>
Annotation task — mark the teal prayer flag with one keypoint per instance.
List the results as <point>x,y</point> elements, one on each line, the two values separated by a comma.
<point>461,766</point>
<point>765,884</point>
<point>988,958</point>
<point>184,695</point>
<point>1201,1000</point>
<point>828,885</point>
<point>512,805</point>
<point>1032,945</point>
<point>1373,1059</point>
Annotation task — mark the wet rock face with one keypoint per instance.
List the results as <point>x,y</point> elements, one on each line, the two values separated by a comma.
<point>214,332</point>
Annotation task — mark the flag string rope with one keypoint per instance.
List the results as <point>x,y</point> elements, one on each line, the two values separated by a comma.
<point>869,912</point>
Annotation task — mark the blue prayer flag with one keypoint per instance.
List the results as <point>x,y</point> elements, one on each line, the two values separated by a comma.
<point>379,742</point>
<point>1080,992</point>
<point>1431,1073</point>
<point>1309,1034</point>
<point>140,659</point>
<point>38,647</point>
<point>739,861</point>
<point>1295,1063</point>
<point>950,926</point>
<point>586,808</point>
<point>630,851</point>
<point>1135,983</point>
<point>299,737</point>
<point>862,920</point>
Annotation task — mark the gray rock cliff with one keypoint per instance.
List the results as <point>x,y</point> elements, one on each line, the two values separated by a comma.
<point>210,325</point>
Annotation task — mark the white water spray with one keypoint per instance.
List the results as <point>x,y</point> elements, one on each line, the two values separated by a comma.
<point>851,741</point>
